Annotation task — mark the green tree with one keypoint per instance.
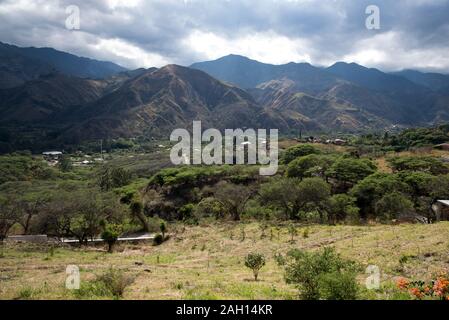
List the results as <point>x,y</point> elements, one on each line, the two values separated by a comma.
<point>209,207</point>
<point>80,213</point>
<point>255,262</point>
<point>233,198</point>
<point>136,208</point>
<point>65,164</point>
<point>110,235</point>
<point>416,163</point>
<point>282,193</point>
<point>310,165</point>
<point>420,184</point>
<point>348,171</point>
<point>109,178</point>
<point>439,187</point>
<point>297,151</point>
<point>30,206</point>
<point>373,188</point>
<point>392,205</point>
<point>9,215</point>
<point>314,193</point>
<point>342,206</point>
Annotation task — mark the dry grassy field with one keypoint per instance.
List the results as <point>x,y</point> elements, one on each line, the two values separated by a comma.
<point>207,261</point>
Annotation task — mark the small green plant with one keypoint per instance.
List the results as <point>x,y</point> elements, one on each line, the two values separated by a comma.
<point>305,233</point>
<point>163,229</point>
<point>279,258</point>
<point>178,286</point>
<point>25,293</point>
<point>263,227</point>
<point>243,233</point>
<point>293,232</point>
<point>255,261</point>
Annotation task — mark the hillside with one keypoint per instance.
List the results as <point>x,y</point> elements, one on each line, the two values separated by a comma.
<point>18,65</point>
<point>392,97</point>
<point>38,100</point>
<point>156,102</point>
<point>207,262</point>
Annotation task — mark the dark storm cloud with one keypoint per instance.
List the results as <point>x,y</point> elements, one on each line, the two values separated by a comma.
<point>414,33</point>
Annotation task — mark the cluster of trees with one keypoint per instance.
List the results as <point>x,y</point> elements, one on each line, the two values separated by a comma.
<point>80,213</point>
<point>312,186</point>
<point>37,199</point>
<point>408,139</point>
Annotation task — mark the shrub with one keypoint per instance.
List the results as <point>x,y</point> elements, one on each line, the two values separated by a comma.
<point>65,164</point>
<point>158,239</point>
<point>305,233</point>
<point>116,281</point>
<point>255,261</point>
<point>112,283</point>
<point>292,231</point>
<point>187,214</point>
<point>320,275</point>
<point>338,286</point>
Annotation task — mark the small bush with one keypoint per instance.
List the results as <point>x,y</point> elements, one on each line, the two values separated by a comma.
<point>163,229</point>
<point>255,261</point>
<point>115,281</point>
<point>305,233</point>
<point>92,290</point>
<point>338,286</point>
<point>25,294</point>
<point>321,275</point>
<point>158,239</point>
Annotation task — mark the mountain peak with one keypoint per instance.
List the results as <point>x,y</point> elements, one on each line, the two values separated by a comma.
<point>347,65</point>
<point>234,57</point>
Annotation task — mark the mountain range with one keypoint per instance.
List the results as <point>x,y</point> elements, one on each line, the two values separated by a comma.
<point>19,65</point>
<point>50,98</point>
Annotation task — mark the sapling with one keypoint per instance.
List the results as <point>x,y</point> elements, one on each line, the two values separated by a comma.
<point>255,261</point>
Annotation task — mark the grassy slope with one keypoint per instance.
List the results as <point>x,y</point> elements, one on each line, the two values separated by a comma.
<point>204,262</point>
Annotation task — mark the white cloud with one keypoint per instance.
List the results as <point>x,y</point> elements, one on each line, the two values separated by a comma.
<point>387,51</point>
<point>125,51</point>
<point>266,47</point>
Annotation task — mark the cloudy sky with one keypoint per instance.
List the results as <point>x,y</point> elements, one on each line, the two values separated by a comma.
<point>139,33</point>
